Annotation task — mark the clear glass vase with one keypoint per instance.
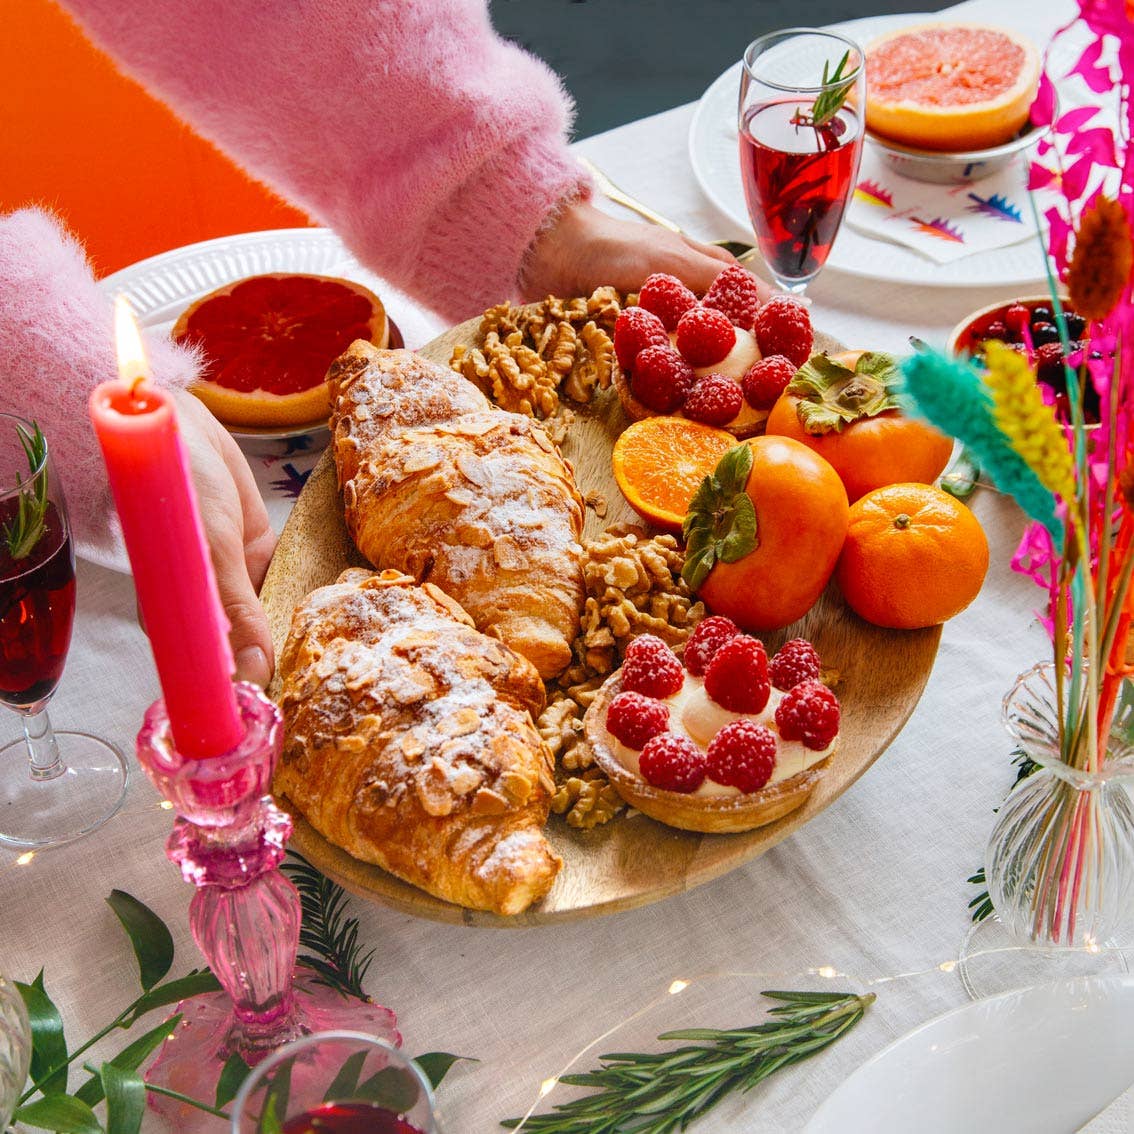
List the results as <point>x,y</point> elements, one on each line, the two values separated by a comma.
<point>1060,860</point>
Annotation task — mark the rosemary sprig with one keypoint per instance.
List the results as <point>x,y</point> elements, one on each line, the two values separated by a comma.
<point>27,526</point>
<point>326,930</point>
<point>659,1093</point>
<point>829,101</point>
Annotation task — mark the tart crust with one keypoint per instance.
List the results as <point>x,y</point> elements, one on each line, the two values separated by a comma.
<point>715,815</point>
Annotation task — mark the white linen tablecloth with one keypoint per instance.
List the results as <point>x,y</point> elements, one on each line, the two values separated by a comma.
<point>874,887</point>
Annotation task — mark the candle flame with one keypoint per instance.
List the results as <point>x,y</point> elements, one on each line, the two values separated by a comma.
<point>128,341</point>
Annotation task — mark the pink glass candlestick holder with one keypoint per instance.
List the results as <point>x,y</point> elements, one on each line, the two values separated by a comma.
<point>229,839</point>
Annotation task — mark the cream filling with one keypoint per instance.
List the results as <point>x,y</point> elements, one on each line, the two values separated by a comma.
<point>734,364</point>
<point>695,716</point>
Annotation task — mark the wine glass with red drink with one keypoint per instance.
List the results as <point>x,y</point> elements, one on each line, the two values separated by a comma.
<point>54,787</point>
<point>335,1083</point>
<point>802,95</point>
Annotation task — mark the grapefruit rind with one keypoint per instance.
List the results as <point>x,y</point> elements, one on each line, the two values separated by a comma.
<point>960,91</point>
<point>263,409</point>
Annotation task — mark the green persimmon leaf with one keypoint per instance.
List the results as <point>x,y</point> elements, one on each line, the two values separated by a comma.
<point>125,1099</point>
<point>740,537</point>
<point>62,1113</point>
<point>732,471</point>
<point>698,564</point>
<point>149,935</point>
<point>49,1046</point>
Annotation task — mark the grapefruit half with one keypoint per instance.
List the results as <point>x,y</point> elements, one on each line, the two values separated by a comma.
<point>950,86</point>
<point>268,340</point>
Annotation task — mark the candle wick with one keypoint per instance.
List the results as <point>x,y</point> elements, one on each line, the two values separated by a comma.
<point>134,392</point>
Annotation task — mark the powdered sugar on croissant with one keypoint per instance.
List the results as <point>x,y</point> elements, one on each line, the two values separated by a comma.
<point>439,484</point>
<point>409,741</point>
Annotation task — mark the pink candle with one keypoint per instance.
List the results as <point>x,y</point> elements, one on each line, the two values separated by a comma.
<point>148,470</point>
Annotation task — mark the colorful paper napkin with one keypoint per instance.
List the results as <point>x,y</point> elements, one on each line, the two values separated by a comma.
<point>942,222</point>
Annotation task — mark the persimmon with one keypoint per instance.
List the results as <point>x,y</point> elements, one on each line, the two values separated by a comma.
<point>763,533</point>
<point>914,556</point>
<point>844,406</point>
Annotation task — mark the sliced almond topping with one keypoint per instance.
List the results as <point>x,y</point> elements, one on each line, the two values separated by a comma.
<point>488,802</point>
<point>419,460</point>
<point>509,555</point>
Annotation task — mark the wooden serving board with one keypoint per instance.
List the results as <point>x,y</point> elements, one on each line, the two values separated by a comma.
<point>632,860</point>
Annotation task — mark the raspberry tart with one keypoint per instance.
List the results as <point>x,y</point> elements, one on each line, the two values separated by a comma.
<point>722,740</point>
<point>702,358</point>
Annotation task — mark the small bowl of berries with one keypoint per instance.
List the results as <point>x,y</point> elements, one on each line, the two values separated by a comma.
<point>1029,325</point>
<point>722,739</point>
<point>721,360</point>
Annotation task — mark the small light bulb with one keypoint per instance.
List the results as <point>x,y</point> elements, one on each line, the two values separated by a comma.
<point>547,1086</point>
<point>25,858</point>
<point>678,986</point>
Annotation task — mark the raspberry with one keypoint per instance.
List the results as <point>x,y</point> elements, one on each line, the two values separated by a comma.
<point>765,381</point>
<point>1017,317</point>
<point>634,719</point>
<point>783,326</point>
<point>672,763</point>
<point>708,637</point>
<point>737,676</point>
<point>705,336</point>
<point>667,297</point>
<point>734,292</point>
<point>795,661</point>
<point>809,712</point>
<point>649,666</point>
<point>996,330</point>
<point>714,400</point>
<point>742,755</point>
<point>662,378</point>
<point>634,330</point>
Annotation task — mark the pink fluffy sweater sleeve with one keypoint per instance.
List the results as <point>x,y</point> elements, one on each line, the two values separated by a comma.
<point>435,149</point>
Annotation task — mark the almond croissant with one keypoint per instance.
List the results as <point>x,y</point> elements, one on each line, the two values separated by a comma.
<point>441,485</point>
<point>408,741</point>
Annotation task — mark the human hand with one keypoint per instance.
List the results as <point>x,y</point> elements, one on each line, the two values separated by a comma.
<point>240,539</point>
<point>585,249</point>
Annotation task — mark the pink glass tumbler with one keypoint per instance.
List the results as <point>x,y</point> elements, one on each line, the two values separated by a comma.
<point>229,839</point>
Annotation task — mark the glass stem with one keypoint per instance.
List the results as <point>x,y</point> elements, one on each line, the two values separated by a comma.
<point>43,752</point>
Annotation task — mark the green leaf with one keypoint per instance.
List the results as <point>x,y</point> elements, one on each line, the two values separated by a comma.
<point>125,1099</point>
<point>274,1111</point>
<point>130,1058</point>
<point>698,564</point>
<point>741,538</point>
<point>149,935</point>
<point>49,1046</point>
<point>173,991</point>
<point>732,471</point>
<point>61,1113</point>
<point>435,1065</point>
<point>232,1077</point>
<point>392,1087</point>
<point>346,1081</point>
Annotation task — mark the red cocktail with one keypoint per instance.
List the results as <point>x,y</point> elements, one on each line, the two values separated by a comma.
<point>66,783</point>
<point>800,145</point>
<point>349,1118</point>
<point>797,181</point>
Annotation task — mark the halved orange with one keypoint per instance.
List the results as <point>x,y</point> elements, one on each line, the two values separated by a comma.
<point>660,462</point>
<point>268,340</point>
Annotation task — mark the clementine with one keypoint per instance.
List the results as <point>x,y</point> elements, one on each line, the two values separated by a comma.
<point>913,557</point>
<point>659,462</point>
<point>764,532</point>
<point>845,408</point>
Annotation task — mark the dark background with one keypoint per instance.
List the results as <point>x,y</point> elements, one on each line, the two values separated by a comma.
<point>624,59</point>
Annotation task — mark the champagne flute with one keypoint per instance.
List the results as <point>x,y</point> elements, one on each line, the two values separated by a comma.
<point>335,1083</point>
<point>802,97</point>
<point>54,787</point>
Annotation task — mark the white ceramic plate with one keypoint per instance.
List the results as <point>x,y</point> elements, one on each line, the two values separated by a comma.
<point>1042,1060</point>
<point>713,154</point>
<point>160,288</point>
